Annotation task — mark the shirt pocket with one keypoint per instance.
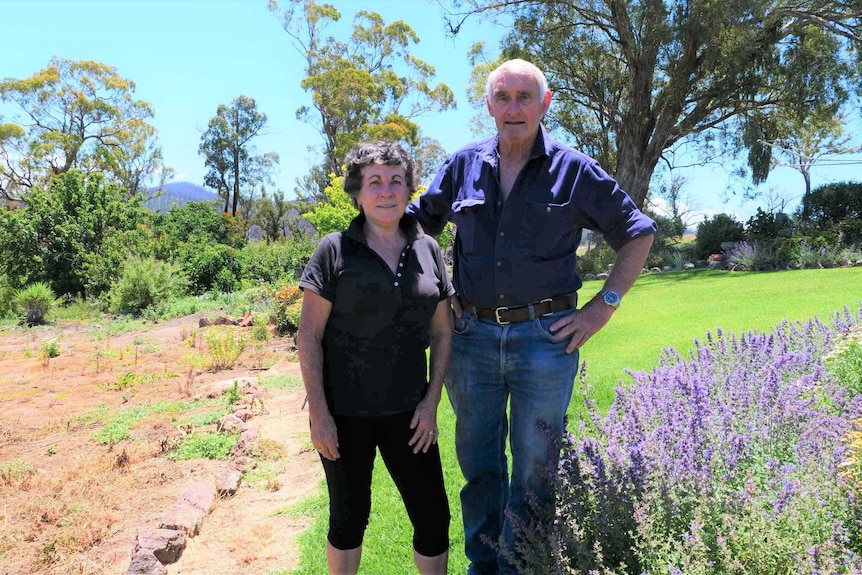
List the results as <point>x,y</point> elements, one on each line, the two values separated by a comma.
<point>464,217</point>
<point>551,228</point>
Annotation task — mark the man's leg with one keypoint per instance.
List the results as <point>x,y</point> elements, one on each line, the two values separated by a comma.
<point>540,376</point>
<point>478,395</point>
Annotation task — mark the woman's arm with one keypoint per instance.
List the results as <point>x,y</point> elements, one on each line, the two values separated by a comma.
<point>312,323</point>
<point>425,419</point>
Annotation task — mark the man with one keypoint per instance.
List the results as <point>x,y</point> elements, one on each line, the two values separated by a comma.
<point>520,201</point>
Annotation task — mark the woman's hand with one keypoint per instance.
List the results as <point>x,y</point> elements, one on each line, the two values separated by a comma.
<point>424,424</point>
<point>324,436</point>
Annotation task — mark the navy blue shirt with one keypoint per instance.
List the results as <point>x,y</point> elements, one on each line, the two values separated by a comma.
<point>378,329</point>
<point>524,250</point>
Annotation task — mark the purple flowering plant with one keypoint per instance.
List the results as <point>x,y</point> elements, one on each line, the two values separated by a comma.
<point>733,459</point>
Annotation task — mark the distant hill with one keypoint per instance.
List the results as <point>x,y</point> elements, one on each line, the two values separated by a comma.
<point>179,194</point>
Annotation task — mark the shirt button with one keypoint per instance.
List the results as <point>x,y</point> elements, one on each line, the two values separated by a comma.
<point>400,264</point>
<point>548,209</point>
<point>499,264</point>
<point>399,274</point>
<point>502,234</point>
<point>501,296</point>
<point>396,284</point>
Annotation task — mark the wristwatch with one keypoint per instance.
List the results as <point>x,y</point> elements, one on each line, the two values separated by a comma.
<point>611,298</point>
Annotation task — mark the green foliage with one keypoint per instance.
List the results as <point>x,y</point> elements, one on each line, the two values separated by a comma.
<point>145,282</point>
<point>226,146</point>
<point>232,395</point>
<point>596,260</point>
<point>359,85</point>
<point>633,79</point>
<point>268,263</point>
<point>210,266</point>
<point>194,222</point>
<point>102,268</point>
<point>844,362</point>
<point>768,226</point>
<point>51,348</point>
<point>35,301</point>
<point>7,295</point>
<point>205,446</point>
<point>79,114</point>
<point>711,233</point>
<point>49,239</point>
<point>223,346</point>
<point>287,306</point>
<point>837,206</point>
<point>336,212</point>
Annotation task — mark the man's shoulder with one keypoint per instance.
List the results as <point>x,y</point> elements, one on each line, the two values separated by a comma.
<point>481,148</point>
<point>554,147</point>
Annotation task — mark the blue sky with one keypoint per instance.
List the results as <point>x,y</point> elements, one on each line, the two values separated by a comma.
<point>188,56</point>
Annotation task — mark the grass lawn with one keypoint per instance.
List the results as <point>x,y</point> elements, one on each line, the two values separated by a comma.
<point>667,310</point>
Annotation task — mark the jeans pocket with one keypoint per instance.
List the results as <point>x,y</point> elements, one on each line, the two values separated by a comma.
<point>543,326</point>
<point>464,323</point>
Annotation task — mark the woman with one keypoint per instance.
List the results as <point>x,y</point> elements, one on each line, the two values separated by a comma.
<point>374,298</point>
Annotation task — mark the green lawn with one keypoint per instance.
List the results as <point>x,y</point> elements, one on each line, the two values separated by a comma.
<point>665,310</point>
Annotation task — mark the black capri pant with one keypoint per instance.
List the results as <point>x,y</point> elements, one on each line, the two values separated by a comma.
<point>418,477</point>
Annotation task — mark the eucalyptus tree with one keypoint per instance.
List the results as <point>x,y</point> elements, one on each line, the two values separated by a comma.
<point>76,114</point>
<point>232,168</point>
<point>368,86</point>
<point>633,79</point>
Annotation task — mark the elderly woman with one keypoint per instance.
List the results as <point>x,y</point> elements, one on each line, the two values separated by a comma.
<point>374,298</point>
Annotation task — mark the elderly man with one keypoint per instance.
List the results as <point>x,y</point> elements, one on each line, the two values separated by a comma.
<point>520,201</point>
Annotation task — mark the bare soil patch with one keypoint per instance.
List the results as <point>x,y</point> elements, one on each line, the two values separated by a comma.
<point>70,504</point>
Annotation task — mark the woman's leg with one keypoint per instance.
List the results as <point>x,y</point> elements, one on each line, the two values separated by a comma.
<point>348,480</point>
<point>431,565</point>
<point>419,479</point>
<point>343,562</point>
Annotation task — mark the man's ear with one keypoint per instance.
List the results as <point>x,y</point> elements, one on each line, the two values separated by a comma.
<point>546,102</point>
<point>488,105</point>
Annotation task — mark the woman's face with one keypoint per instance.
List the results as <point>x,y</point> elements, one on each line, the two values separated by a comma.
<point>383,196</point>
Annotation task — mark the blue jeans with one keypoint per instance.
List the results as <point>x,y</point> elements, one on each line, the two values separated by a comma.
<point>492,365</point>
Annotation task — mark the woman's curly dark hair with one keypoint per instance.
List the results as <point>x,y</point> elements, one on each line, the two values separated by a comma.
<point>376,152</point>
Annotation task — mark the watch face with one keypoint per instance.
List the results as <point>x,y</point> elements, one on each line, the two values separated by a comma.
<point>611,298</point>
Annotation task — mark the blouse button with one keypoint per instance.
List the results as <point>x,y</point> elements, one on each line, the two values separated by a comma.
<point>548,209</point>
<point>396,284</point>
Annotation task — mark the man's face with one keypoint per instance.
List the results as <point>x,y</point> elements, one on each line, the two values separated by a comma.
<point>517,106</point>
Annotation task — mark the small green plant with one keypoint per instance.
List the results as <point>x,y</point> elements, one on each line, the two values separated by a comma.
<point>223,347</point>
<point>52,450</point>
<point>35,301</point>
<point>287,305</point>
<point>205,446</point>
<point>51,348</point>
<point>232,395</point>
<point>145,282</point>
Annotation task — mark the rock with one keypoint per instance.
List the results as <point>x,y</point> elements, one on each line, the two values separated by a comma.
<point>228,482</point>
<point>166,545</point>
<point>185,518</point>
<point>144,562</point>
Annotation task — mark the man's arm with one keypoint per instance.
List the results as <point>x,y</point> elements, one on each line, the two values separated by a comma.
<point>593,316</point>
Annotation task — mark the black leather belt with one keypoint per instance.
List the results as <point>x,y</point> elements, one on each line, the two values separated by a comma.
<point>515,314</point>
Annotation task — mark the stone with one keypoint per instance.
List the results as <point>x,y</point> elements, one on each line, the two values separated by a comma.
<point>185,518</point>
<point>144,562</point>
<point>228,482</point>
<point>166,545</point>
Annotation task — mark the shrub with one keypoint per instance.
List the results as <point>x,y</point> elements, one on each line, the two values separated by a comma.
<point>223,346</point>
<point>210,266</point>
<point>727,461</point>
<point>596,261</point>
<point>287,305</point>
<point>268,263</point>
<point>145,282</point>
<point>205,446</point>
<point>711,233</point>
<point>35,301</point>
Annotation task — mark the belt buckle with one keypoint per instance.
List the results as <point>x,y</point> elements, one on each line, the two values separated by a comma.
<point>497,315</point>
<point>546,300</point>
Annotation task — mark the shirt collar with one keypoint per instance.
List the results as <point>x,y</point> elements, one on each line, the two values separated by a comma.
<point>541,147</point>
<point>408,223</point>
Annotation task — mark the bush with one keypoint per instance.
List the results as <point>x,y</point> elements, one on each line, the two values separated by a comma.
<point>223,346</point>
<point>728,461</point>
<point>766,255</point>
<point>260,262</point>
<point>35,301</point>
<point>287,305</point>
<point>711,233</point>
<point>210,266</point>
<point>596,261</point>
<point>145,282</point>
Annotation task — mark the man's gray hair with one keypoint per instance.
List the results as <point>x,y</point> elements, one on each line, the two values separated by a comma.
<point>517,65</point>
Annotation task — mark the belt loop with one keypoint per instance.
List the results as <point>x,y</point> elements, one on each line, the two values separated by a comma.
<point>532,309</point>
